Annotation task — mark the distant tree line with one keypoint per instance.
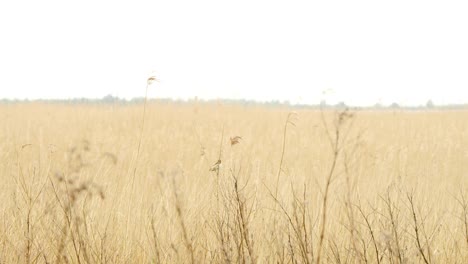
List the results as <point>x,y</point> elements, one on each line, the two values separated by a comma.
<point>110,99</point>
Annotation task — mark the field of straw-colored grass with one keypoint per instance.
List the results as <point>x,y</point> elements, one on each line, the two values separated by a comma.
<point>303,187</point>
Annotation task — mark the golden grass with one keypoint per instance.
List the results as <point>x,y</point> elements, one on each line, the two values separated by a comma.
<point>70,193</point>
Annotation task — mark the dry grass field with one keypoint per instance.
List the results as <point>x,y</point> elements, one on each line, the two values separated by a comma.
<point>76,185</point>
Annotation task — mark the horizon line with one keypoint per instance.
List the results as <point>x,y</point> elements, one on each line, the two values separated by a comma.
<point>274,102</point>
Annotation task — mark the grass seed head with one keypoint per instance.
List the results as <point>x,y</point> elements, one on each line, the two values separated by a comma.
<point>216,166</point>
<point>152,79</point>
<point>235,140</point>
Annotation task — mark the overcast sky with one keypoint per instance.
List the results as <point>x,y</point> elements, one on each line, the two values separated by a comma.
<point>361,52</point>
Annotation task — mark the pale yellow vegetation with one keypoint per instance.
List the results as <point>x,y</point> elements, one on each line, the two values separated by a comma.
<point>74,189</point>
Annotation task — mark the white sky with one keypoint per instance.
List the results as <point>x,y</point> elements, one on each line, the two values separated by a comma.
<point>364,51</point>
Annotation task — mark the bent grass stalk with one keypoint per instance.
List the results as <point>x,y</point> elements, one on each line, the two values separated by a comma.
<point>149,81</point>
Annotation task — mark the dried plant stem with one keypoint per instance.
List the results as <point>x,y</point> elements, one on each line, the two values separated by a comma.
<point>155,241</point>
<point>30,200</point>
<point>299,213</point>
<point>187,242</point>
<point>371,231</point>
<point>464,205</point>
<point>341,118</point>
<point>243,221</point>
<point>130,205</point>
<point>302,241</point>
<point>394,223</point>
<point>141,136</point>
<point>325,204</point>
<point>416,229</point>
<point>283,149</point>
